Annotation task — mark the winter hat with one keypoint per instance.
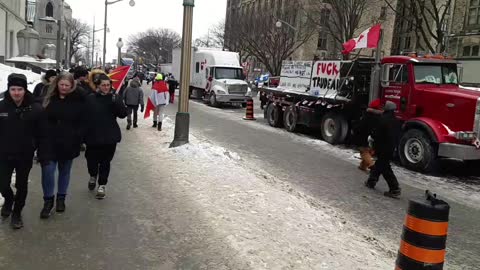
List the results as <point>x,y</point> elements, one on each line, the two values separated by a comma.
<point>16,79</point>
<point>375,104</point>
<point>159,77</point>
<point>50,73</point>
<point>80,72</point>
<point>390,106</point>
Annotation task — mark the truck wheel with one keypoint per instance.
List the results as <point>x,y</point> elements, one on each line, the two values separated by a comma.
<point>212,99</point>
<point>417,152</point>
<point>244,105</point>
<point>274,116</point>
<point>290,119</point>
<point>334,128</point>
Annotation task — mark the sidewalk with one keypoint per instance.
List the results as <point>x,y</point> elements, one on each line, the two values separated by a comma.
<point>193,207</point>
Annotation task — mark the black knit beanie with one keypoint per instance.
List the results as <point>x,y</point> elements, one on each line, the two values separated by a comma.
<point>17,79</point>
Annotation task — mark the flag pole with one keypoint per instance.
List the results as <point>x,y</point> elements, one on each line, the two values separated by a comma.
<point>376,71</point>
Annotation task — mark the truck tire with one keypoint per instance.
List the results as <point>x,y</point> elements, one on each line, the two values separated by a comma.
<point>417,151</point>
<point>274,115</point>
<point>334,128</point>
<point>290,119</point>
<point>212,99</point>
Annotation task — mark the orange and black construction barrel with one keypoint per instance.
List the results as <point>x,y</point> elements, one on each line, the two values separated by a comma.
<point>249,112</point>
<point>424,235</point>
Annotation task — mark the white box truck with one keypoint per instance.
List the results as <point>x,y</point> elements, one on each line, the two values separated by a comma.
<point>216,76</point>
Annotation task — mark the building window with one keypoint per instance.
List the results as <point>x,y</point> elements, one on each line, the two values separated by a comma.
<point>48,29</point>
<point>324,17</point>
<point>49,10</point>
<point>475,50</point>
<point>407,43</point>
<point>383,13</point>
<point>474,12</point>
<point>322,41</point>
<point>467,50</point>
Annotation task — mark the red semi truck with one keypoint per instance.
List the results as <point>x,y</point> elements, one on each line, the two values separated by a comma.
<point>441,119</point>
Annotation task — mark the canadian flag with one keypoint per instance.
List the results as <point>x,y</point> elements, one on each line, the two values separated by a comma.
<point>159,96</point>
<point>368,39</point>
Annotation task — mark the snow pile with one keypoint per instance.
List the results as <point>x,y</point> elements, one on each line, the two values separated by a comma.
<point>267,226</point>
<point>32,78</point>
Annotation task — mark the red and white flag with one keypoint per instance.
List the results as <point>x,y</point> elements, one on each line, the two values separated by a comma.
<point>159,96</point>
<point>368,39</point>
<point>118,75</point>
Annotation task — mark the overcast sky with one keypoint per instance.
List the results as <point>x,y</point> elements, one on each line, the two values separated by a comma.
<point>124,20</point>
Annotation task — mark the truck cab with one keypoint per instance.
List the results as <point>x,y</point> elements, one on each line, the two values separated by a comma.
<point>218,77</point>
<point>441,119</point>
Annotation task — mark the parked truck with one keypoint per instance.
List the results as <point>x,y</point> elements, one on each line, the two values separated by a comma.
<point>441,119</point>
<point>216,76</point>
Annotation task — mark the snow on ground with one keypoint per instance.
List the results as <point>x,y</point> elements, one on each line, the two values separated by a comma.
<point>270,227</point>
<point>444,186</point>
<point>32,78</point>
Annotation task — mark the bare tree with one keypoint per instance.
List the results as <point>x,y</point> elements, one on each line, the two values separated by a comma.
<point>155,43</point>
<point>340,18</point>
<point>79,33</point>
<point>270,45</point>
<point>428,18</point>
<point>215,38</point>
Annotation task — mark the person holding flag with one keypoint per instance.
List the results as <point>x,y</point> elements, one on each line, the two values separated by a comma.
<point>102,132</point>
<point>158,100</point>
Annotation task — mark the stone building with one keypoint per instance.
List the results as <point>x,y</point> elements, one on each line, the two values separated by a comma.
<point>47,15</point>
<point>12,18</point>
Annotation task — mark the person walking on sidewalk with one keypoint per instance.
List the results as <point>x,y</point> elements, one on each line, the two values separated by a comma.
<point>41,89</point>
<point>160,98</point>
<point>365,129</point>
<point>103,132</point>
<point>386,138</point>
<point>172,86</point>
<point>23,129</point>
<point>65,108</point>
<point>133,98</point>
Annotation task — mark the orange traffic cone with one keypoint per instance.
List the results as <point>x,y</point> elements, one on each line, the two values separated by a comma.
<point>249,112</point>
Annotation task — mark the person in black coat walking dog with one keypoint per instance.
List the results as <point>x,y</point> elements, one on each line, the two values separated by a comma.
<point>65,106</point>
<point>103,132</point>
<point>386,138</point>
<point>23,129</point>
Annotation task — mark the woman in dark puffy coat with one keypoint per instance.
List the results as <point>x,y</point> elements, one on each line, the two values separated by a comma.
<point>103,132</point>
<point>65,106</point>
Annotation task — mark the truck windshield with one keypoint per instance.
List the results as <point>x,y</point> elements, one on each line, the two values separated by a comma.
<point>436,74</point>
<point>229,73</point>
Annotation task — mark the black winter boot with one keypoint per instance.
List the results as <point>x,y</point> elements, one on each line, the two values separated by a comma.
<point>393,193</point>
<point>47,208</point>
<point>7,208</point>
<point>135,125</point>
<point>17,222</point>
<point>60,203</point>
<point>154,124</point>
<point>159,128</point>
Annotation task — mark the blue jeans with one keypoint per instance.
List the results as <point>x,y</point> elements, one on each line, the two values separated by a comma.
<point>48,178</point>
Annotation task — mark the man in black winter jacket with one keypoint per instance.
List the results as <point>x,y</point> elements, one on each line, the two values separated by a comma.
<point>386,138</point>
<point>23,129</point>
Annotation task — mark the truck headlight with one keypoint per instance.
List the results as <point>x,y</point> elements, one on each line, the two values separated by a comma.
<point>465,135</point>
<point>221,92</point>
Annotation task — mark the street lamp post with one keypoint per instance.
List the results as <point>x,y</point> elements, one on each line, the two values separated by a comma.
<point>119,46</point>
<point>131,3</point>
<point>93,38</point>
<point>182,119</point>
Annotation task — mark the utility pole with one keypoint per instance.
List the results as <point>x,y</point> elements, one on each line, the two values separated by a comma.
<point>182,119</point>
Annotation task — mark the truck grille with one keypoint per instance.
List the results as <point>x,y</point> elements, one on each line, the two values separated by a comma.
<point>237,89</point>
